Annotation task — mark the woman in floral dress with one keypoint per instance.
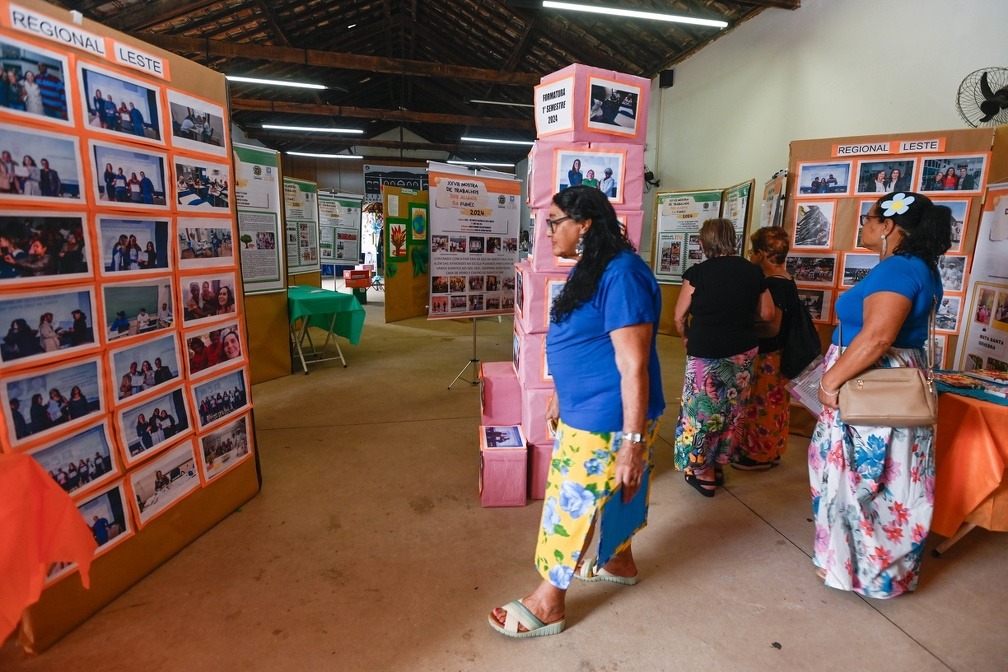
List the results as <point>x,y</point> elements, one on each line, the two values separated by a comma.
<point>723,298</point>
<point>873,487</point>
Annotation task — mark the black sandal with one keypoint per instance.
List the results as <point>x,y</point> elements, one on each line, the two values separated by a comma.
<point>701,486</point>
<point>719,477</point>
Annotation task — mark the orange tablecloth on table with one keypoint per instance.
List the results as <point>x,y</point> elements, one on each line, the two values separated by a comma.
<point>971,454</point>
<point>39,525</point>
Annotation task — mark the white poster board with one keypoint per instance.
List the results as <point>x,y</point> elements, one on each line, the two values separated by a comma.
<point>257,197</point>
<point>301,220</point>
<point>339,228</point>
<point>677,231</point>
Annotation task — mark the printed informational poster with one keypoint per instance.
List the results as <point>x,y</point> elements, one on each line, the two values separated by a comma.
<point>339,228</point>
<point>554,107</point>
<point>736,207</point>
<point>474,222</point>
<point>301,225</point>
<point>772,204</point>
<point>257,196</point>
<point>677,233</point>
<point>984,343</point>
<point>404,177</point>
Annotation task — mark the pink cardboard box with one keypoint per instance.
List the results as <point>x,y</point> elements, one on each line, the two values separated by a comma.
<point>538,290</point>
<point>582,103</point>
<point>533,414</point>
<point>500,394</point>
<point>539,457</point>
<point>503,466</point>
<point>541,257</point>
<point>529,359</point>
<point>558,165</point>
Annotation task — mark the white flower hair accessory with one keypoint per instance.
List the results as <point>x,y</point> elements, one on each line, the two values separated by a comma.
<point>898,205</point>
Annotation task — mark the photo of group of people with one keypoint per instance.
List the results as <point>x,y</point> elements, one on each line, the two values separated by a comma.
<point>45,324</point>
<point>856,266</point>
<point>819,269</point>
<point>470,292</point>
<point>212,348</point>
<point>116,104</point>
<point>202,186</point>
<point>144,366</point>
<point>133,244</point>
<point>164,481</point>
<point>32,81</point>
<point>128,176</point>
<point>824,178</point>
<point>38,164</point>
<point>207,297</point>
<point>38,246</point>
<point>206,242</point>
<point>81,462</point>
<point>45,399</point>
<point>197,124</point>
<point>883,177</point>
<point>957,173</point>
<point>153,422</point>
<point>600,169</point>
<point>132,309</point>
<point>221,397</point>
<point>952,269</point>
<point>224,448</point>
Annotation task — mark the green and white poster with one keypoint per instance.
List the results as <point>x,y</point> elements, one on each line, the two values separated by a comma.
<point>301,223</point>
<point>339,228</point>
<point>677,231</point>
<point>257,197</point>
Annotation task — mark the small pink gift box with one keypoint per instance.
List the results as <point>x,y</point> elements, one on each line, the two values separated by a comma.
<point>503,466</point>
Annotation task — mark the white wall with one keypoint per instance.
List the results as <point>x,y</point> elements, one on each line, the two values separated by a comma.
<point>829,69</point>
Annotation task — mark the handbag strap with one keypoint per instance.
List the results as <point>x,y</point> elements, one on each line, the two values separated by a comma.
<point>929,348</point>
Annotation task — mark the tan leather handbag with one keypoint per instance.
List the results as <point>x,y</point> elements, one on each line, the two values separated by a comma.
<point>892,397</point>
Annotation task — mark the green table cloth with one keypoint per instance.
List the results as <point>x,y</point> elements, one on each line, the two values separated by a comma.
<point>319,305</point>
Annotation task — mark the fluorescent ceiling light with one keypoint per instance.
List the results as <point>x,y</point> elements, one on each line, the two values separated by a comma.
<point>312,129</point>
<point>527,143</point>
<point>325,156</point>
<point>480,163</point>
<point>272,82</point>
<point>634,14</point>
<point>501,102</point>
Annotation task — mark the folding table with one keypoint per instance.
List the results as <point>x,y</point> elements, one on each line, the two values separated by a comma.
<point>338,313</point>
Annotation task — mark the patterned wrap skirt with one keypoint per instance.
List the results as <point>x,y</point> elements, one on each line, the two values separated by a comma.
<point>872,496</point>
<point>715,392</point>
<point>767,418</point>
<point>581,478</point>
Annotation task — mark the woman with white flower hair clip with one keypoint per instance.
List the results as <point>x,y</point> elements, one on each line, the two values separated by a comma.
<point>873,487</point>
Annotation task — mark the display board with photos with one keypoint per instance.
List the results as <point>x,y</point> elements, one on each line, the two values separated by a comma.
<point>115,197</point>
<point>835,182</point>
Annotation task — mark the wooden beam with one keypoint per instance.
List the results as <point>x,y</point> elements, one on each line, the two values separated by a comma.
<point>398,116</point>
<point>778,4</point>
<point>181,44</point>
<point>345,143</point>
<point>147,14</point>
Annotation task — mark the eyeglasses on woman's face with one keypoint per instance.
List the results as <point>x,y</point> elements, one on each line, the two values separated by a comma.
<point>865,218</point>
<point>552,223</point>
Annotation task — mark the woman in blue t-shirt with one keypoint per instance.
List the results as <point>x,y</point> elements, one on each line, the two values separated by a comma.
<point>602,354</point>
<point>873,487</point>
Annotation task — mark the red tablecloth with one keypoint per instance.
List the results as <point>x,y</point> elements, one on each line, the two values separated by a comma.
<point>39,525</point>
<point>971,453</point>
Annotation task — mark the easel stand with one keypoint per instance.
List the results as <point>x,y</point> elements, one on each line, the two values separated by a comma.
<point>473,362</point>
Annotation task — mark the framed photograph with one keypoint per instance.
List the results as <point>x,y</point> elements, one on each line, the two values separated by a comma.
<point>147,427</point>
<point>612,106</point>
<point>985,306</point>
<point>864,207</point>
<point>106,515</point>
<point>856,266</point>
<point>439,244</point>
<point>43,248</point>
<point>999,317</point>
<point>221,397</point>
<point>205,242</point>
<point>823,178</point>
<point>46,325</point>
<point>967,174</point>
<point>126,246</point>
<point>519,293</point>
<point>202,185</point>
<point>196,124</point>
<point>48,402</point>
<point>138,370</point>
<point>960,216</point>
<point>814,224</point>
<point>126,177</point>
<point>952,269</point>
<point>819,303</point>
<point>439,284</point>
<point>213,348</point>
<point>224,448</point>
<point>812,269</point>
<point>82,462</point>
<point>592,167</point>
<point>937,345</point>
<point>120,105</point>
<point>163,481</point>
<point>880,177</point>
<point>553,289</point>
<point>38,165</point>
<point>39,86</point>
<point>207,297</point>
<point>439,305</point>
<point>947,315</point>
<point>136,309</point>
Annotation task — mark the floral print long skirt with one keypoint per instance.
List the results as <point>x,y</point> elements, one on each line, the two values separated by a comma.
<point>767,418</point>
<point>872,497</point>
<point>715,392</point>
<point>581,478</point>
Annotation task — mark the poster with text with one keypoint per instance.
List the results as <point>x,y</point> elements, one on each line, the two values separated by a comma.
<point>301,220</point>
<point>477,219</point>
<point>257,197</point>
<point>680,215</point>
<point>339,228</point>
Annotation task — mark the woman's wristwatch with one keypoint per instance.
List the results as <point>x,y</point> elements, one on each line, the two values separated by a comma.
<point>633,437</point>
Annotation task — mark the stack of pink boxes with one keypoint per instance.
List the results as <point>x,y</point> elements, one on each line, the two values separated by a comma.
<point>591,126</point>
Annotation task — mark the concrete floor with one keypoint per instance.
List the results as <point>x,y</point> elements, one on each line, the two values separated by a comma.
<point>368,550</point>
